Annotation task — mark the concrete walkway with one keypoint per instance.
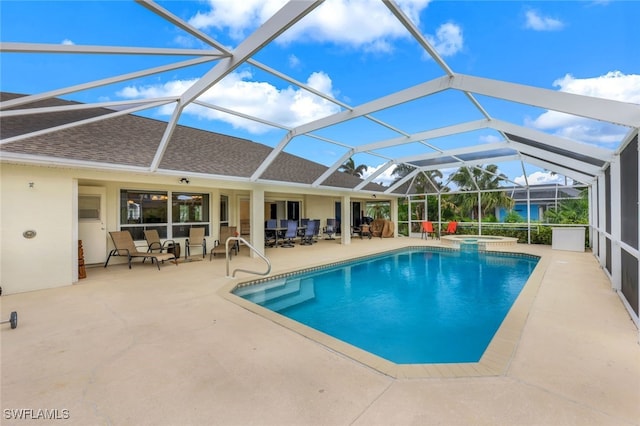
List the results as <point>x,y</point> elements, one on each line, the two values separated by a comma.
<point>142,347</point>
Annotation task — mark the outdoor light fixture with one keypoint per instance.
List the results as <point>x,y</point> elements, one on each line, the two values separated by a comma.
<point>184,180</point>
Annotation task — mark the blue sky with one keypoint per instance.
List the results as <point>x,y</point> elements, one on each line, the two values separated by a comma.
<point>351,50</point>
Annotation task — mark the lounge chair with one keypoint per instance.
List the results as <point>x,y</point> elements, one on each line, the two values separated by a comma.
<point>124,246</point>
<point>427,229</point>
<point>219,246</point>
<point>196,239</point>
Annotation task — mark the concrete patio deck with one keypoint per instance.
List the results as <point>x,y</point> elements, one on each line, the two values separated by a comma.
<point>149,347</point>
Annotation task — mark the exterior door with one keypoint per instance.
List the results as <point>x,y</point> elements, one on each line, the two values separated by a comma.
<point>91,223</point>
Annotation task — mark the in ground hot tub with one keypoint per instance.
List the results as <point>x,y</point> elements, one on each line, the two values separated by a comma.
<point>483,241</point>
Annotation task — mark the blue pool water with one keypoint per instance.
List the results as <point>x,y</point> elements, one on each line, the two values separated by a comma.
<point>413,306</point>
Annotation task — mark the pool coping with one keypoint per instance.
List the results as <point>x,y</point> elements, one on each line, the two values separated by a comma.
<point>494,361</point>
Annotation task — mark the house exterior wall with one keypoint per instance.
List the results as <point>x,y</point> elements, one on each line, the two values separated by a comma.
<point>521,209</point>
<point>49,207</point>
<point>44,261</point>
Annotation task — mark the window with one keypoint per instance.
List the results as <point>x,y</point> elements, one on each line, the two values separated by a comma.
<point>143,210</point>
<point>224,210</point>
<point>188,209</point>
<point>89,207</point>
<point>140,210</point>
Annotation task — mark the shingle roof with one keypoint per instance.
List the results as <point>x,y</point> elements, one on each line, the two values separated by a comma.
<point>133,140</point>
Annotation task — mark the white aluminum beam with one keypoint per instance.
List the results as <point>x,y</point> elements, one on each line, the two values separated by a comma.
<point>81,122</point>
<point>402,181</point>
<point>625,114</point>
<point>582,178</point>
<point>105,50</point>
<point>556,158</point>
<point>455,152</point>
<point>397,98</point>
<point>332,169</point>
<point>455,129</point>
<point>555,141</point>
<point>417,34</point>
<point>283,19</point>
<point>374,175</point>
<point>79,107</point>
<point>481,161</point>
<point>402,96</point>
<point>241,115</point>
<point>170,17</point>
<point>97,83</point>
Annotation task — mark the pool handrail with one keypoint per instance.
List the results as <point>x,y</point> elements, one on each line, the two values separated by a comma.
<point>233,275</point>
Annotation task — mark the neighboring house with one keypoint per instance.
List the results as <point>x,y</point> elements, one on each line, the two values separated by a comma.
<point>541,198</point>
<point>79,182</point>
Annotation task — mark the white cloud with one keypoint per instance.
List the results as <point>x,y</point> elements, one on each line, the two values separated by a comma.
<point>288,106</point>
<point>537,22</point>
<point>365,24</point>
<point>542,178</point>
<point>386,178</point>
<point>613,85</point>
<point>448,39</point>
<point>490,139</point>
<point>236,16</point>
<point>294,61</point>
<point>67,42</point>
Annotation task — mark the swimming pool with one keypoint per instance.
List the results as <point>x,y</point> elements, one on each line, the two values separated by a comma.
<point>413,306</point>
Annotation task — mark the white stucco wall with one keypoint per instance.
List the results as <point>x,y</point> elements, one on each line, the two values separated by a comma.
<point>46,208</point>
<point>49,207</point>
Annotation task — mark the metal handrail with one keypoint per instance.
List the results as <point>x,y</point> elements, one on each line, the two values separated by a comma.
<point>226,244</point>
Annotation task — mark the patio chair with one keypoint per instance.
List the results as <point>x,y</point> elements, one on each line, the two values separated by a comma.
<point>309,232</point>
<point>427,229</point>
<point>154,243</point>
<point>316,233</point>
<point>291,234</point>
<point>270,233</point>
<point>330,229</point>
<point>124,246</point>
<point>365,231</point>
<point>196,239</point>
<point>452,227</point>
<point>219,246</point>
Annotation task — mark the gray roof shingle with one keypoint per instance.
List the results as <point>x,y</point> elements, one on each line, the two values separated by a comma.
<point>133,140</point>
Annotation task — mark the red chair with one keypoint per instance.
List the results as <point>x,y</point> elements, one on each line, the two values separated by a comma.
<point>427,228</point>
<point>452,227</point>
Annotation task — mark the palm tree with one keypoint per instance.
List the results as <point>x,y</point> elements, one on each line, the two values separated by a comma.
<point>426,181</point>
<point>481,179</point>
<point>570,211</point>
<point>350,168</point>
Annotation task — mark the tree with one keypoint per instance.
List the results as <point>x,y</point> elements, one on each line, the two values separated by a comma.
<point>350,168</point>
<point>480,179</point>
<point>425,182</point>
<point>574,210</point>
